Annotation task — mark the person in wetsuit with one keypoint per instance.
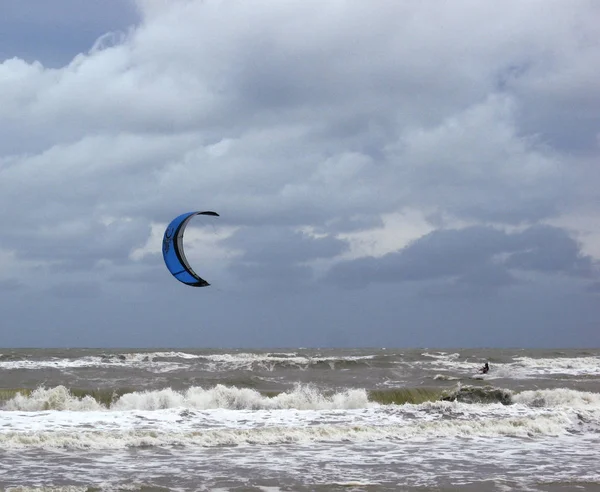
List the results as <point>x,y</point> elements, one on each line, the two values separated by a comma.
<point>485,369</point>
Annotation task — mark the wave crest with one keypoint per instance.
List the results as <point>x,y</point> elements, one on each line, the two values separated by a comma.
<point>302,397</point>
<point>57,398</point>
<point>558,397</point>
<point>126,438</point>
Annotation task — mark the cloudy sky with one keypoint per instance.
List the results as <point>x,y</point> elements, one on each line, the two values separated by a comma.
<point>388,173</point>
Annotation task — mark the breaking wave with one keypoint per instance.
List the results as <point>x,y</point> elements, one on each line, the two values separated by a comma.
<point>303,397</point>
<point>445,377</point>
<point>273,361</point>
<point>441,355</point>
<point>132,359</point>
<point>547,398</point>
<point>560,397</point>
<point>524,427</point>
<point>573,366</point>
<point>172,360</point>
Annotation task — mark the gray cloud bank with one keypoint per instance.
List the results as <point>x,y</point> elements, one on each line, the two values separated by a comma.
<point>481,256</point>
<point>306,125</point>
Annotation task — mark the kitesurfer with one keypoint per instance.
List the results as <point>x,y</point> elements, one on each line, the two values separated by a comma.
<point>485,368</point>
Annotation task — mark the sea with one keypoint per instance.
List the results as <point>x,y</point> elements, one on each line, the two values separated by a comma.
<point>299,419</point>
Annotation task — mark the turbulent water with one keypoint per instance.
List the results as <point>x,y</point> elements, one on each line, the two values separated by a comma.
<point>299,420</point>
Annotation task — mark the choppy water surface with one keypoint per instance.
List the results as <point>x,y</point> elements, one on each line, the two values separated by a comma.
<point>297,419</point>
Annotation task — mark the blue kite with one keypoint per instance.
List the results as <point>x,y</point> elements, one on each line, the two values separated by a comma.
<point>173,250</point>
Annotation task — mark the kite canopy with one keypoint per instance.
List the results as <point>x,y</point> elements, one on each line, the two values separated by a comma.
<point>173,250</point>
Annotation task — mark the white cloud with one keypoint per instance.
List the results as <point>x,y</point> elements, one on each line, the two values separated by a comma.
<point>397,231</point>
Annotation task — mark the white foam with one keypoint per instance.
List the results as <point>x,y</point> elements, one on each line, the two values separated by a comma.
<point>521,368</point>
<point>575,366</point>
<point>450,362</point>
<point>559,397</point>
<point>417,446</point>
<point>215,362</point>
<point>179,355</point>
<point>354,484</point>
<point>285,427</point>
<point>57,398</point>
<point>441,355</point>
<point>65,488</point>
<point>445,377</point>
<point>134,359</point>
<point>302,397</point>
<point>269,361</point>
<point>221,416</point>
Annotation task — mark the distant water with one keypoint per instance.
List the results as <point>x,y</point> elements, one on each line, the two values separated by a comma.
<point>299,420</point>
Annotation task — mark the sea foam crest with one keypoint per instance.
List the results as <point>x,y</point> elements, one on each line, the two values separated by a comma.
<point>126,438</point>
<point>270,361</point>
<point>560,365</point>
<point>558,397</point>
<point>148,360</point>
<point>57,398</point>
<point>149,356</point>
<point>64,488</point>
<point>441,355</point>
<point>302,397</point>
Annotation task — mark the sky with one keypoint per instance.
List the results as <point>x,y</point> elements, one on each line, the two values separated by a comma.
<point>387,173</point>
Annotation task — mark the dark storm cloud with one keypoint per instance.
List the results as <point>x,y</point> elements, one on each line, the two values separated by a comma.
<point>373,130</point>
<point>277,256</point>
<point>76,290</point>
<point>570,122</point>
<point>475,256</point>
<point>594,288</point>
<point>147,273</point>
<point>476,284</point>
<point>10,284</point>
<point>78,245</point>
<point>273,279</point>
<point>269,245</point>
<point>549,249</point>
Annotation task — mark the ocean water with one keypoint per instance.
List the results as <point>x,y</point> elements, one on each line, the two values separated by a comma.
<point>299,420</point>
